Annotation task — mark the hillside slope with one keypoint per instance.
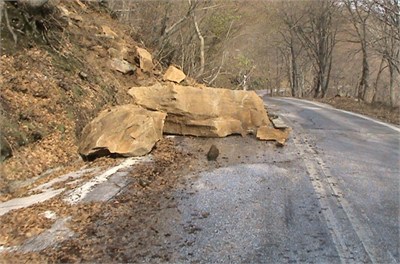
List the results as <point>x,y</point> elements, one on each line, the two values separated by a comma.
<point>56,78</point>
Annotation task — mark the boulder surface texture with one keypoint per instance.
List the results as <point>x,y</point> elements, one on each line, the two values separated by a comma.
<point>126,130</point>
<point>206,112</point>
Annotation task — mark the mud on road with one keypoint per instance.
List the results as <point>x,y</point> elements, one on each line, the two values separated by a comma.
<point>146,222</point>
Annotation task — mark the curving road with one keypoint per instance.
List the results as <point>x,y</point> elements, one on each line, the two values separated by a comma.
<point>330,196</point>
<point>353,164</point>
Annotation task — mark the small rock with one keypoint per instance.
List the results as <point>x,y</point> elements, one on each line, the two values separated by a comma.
<point>173,74</point>
<point>5,149</point>
<point>144,183</point>
<point>83,75</point>
<point>213,153</point>
<point>145,60</point>
<point>108,32</point>
<point>122,66</point>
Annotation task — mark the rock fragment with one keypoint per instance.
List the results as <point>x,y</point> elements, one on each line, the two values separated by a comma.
<point>145,60</point>
<point>213,153</point>
<point>271,134</point>
<point>173,74</point>
<point>108,32</point>
<point>5,149</point>
<point>122,66</point>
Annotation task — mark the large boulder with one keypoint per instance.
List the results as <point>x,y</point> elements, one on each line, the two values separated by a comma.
<point>207,112</point>
<point>126,130</point>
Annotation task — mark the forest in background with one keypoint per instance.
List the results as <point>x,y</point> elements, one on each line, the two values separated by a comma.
<point>310,48</point>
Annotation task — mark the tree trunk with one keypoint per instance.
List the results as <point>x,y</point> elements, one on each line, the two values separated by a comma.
<point>201,38</point>
<point>363,86</point>
<point>391,84</point>
<point>294,83</point>
<point>378,77</point>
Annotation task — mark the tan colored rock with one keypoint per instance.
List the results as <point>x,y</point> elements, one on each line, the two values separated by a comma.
<point>272,134</point>
<point>108,32</point>
<point>127,130</point>
<point>145,60</point>
<point>69,15</point>
<point>120,52</point>
<point>122,66</point>
<point>173,74</point>
<point>207,112</point>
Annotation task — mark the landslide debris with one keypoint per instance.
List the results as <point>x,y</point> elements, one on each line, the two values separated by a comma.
<point>55,80</point>
<point>126,130</point>
<point>105,232</point>
<point>132,130</point>
<point>55,83</point>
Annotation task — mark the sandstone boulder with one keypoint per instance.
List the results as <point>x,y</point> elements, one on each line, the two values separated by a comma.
<point>207,112</point>
<point>145,60</point>
<point>126,130</point>
<point>173,74</point>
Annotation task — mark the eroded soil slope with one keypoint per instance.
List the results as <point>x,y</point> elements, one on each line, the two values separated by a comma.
<point>54,80</point>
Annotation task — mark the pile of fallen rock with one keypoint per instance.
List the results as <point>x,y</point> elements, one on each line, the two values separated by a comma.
<point>170,108</point>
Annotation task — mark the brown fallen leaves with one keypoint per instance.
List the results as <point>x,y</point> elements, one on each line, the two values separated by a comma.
<point>103,231</point>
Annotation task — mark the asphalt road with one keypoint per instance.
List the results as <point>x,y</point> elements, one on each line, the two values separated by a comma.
<point>330,196</point>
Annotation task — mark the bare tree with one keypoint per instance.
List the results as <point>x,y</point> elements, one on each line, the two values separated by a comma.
<point>318,36</point>
<point>386,32</point>
<point>291,19</point>
<point>359,14</point>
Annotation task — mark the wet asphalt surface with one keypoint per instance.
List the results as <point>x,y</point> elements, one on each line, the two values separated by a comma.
<point>331,195</point>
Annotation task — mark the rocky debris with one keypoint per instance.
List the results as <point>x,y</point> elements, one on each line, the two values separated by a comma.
<point>145,60</point>
<point>126,130</point>
<point>206,112</point>
<point>5,149</point>
<point>271,134</point>
<point>173,74</point>
<point>122,66</point>
<point>83,75</point>
<point>213,153</point>
<point>69,15</point>
<point>108,32</point>
<point>279,123</point>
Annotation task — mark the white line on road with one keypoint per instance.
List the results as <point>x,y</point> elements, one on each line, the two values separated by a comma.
<point>339,110</point>
<point>318,171</point>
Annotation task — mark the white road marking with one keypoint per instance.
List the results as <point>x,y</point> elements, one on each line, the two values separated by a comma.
<point>318,171</point>
<point>396,128</point>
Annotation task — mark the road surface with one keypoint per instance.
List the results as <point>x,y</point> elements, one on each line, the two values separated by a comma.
<point>330,196</point>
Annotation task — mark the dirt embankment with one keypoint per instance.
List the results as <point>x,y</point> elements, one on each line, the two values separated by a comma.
<point>55,78</point>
